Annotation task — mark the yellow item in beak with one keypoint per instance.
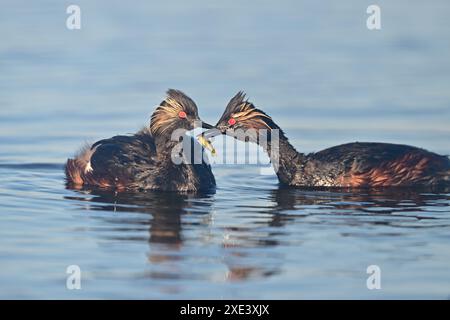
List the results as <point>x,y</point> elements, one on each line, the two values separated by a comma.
<point>206,144</point>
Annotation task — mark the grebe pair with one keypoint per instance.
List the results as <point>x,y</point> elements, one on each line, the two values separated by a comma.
<point>143,161</point>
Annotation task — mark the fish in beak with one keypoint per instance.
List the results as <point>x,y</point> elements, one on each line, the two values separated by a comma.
<point>206,142</point>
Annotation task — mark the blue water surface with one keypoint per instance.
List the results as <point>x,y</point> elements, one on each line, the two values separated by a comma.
<point>312,65</point>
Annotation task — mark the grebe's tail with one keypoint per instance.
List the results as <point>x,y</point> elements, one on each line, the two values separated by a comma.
<point>77,168</point>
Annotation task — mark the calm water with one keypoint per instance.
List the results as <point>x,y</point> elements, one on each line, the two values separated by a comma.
<point>313,66</point>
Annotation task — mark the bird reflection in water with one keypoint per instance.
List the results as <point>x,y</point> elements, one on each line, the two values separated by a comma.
<point>384,202</point>
<point>193,230</point>
<point>170,216</point>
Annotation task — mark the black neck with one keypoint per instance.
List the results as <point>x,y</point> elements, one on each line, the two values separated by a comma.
<point>285,159</point>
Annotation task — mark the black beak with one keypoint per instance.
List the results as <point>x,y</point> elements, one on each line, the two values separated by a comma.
<point>198,123</point>
<point>206,126</point>
<point>212,132</point>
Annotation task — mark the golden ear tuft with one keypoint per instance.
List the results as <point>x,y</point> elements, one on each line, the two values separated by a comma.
<point>254,117</point>
<point>164,114</point>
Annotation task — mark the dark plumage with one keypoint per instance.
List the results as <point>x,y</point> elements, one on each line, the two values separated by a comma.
<point>349,165</point>
<point>144,161</point>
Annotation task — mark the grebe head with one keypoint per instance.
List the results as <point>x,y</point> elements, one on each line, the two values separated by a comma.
<point>242,120</point>
<point>177,111</point>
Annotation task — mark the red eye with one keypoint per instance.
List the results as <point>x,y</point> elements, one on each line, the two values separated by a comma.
<point>232,121</point>
<point>182,114</point>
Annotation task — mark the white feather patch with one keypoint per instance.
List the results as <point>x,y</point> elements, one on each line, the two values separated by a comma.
<point>88,168</point>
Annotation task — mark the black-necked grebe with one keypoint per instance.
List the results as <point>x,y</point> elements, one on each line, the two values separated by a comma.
<point>350,165</point>
<point>143,161</point>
